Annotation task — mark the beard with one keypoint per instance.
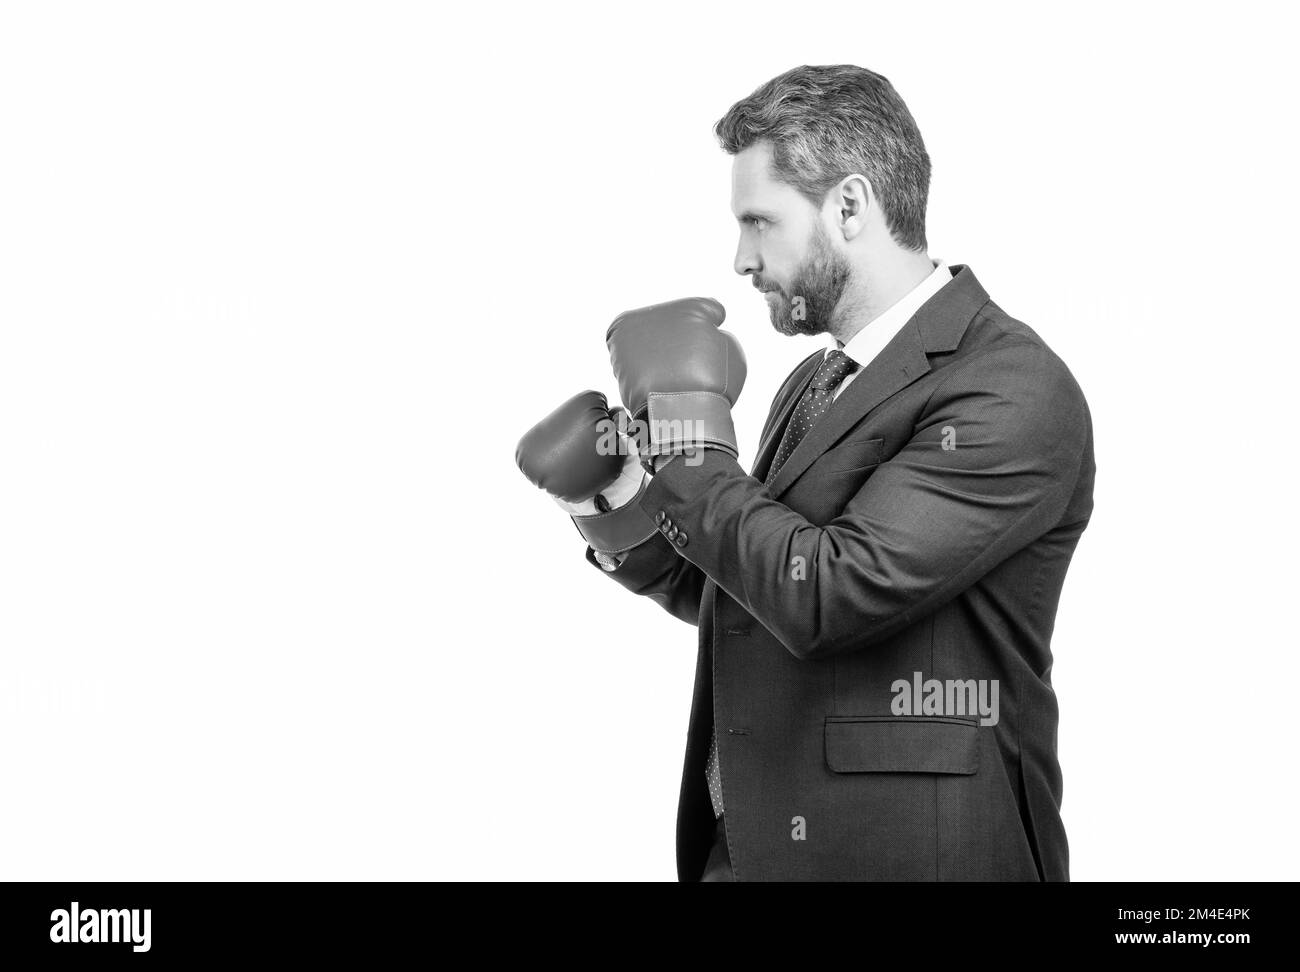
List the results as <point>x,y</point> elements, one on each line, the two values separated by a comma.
<point>808,305</point>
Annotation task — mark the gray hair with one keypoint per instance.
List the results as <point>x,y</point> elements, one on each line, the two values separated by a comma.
<point>827,122</point>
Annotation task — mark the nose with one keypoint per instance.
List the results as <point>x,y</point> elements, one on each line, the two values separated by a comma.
<point>747,260</point>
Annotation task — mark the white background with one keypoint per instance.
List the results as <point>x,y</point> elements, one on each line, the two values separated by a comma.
<point>282,284</point>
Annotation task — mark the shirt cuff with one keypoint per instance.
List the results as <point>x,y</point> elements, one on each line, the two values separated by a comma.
<point>607,562</point>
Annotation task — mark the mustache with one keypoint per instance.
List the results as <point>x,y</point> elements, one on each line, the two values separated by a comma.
<point>763,286</point>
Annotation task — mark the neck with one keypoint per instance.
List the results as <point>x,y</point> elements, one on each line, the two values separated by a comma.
<point>878,284</point>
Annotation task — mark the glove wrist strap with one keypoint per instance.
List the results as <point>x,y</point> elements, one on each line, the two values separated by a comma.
<point>621,528</point>
<point>678,421</point>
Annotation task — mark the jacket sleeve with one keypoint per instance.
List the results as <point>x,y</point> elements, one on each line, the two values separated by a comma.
<point>926,525</point>
<point>653,569</point>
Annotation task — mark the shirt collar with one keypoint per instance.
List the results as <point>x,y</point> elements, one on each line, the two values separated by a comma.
<point>871,340</point>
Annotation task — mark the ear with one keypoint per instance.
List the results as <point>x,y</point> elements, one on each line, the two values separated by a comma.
<point>853,199</point>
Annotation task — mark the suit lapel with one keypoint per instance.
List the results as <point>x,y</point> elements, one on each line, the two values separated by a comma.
<point>936,327</point>
<point>795,386</point>
<point>897,366</point>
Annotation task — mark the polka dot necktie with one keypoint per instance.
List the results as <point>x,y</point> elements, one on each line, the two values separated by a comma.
<point>812,406</point>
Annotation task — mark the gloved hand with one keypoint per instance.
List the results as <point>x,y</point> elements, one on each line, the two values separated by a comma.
<point>678,375</point>
<point>579,456</point>
<point>618,493</point>
<point>568,453</point>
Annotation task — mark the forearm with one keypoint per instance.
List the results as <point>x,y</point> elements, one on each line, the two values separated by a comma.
<point>654,570</point>
<point>899,551</point>
<point>780,568</point>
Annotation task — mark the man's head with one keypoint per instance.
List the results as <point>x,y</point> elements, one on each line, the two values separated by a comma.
<point>829,182</point>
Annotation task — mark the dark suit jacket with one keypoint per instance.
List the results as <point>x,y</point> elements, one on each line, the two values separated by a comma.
<point>924,524</point>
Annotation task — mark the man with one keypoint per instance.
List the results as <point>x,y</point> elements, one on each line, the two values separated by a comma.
<point>875,600</point>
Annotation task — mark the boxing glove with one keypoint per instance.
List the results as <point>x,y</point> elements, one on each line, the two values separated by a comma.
<point>579,456</point>
<point>678,375</point>
<point>563,453</point>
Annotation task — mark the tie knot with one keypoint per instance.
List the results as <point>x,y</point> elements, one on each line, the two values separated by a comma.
<point>833,369</point>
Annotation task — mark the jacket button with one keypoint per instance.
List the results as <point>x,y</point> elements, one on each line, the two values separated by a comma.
<point>660,516</point>
<point>672,533</point>
<point>680,539</point>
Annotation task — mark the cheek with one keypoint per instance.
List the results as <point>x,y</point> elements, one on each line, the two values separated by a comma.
<point>788,252</point>
<point>778,261</point>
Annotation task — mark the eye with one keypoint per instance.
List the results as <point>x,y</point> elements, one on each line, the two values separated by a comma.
<point>758,222</point>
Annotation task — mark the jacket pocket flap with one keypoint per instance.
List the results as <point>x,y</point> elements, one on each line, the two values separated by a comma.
<point>851,454</point>
<point>902,744</point>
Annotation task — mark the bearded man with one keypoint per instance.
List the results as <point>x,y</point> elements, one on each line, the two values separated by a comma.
<point>897,551</point>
